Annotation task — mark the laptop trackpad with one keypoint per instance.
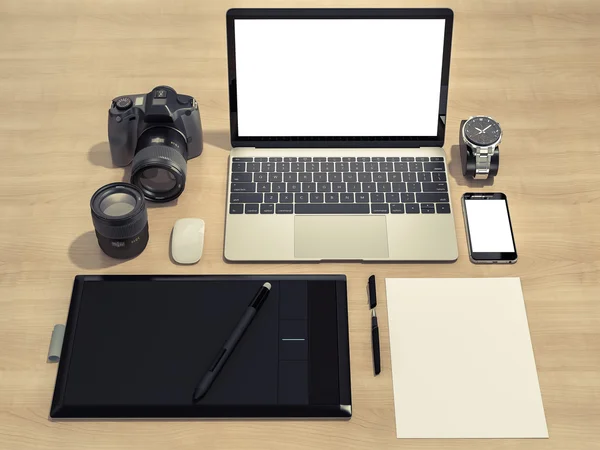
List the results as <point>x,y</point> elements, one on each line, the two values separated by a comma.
<point>340,237</point>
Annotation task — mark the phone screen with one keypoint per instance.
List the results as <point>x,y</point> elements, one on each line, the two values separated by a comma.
<point>489,226</point>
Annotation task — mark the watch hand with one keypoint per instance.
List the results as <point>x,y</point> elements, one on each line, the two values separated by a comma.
<point>478,130</point>
<point>486,128</point>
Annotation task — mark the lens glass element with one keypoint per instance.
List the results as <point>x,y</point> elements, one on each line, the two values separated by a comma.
<point>157,179</point>
<point>117,204</point>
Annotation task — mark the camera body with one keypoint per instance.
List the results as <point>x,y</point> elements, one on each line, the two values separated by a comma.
<point>130,115</point>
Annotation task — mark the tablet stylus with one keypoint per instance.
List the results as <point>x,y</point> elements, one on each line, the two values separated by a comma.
<point>230,344</point>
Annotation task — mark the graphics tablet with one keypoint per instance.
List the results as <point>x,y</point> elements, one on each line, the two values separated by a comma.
<point>137,346</point>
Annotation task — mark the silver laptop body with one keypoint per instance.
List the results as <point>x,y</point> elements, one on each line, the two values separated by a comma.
<point>337,123</point>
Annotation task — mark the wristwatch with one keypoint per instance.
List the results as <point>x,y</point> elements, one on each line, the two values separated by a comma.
<point>482,135</point>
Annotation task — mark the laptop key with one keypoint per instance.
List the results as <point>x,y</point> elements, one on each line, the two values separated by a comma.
<point>323,187</point>
<point>335,177</point>
<point>424,177</point>
<point>317,198</point>
<point>275,177</point>
<point>435,187</point>
<point>339,187</point>
<point>350,177</point>
<point>342,167</point>
<point>282,167</point>
<point>290,159</point>
<point>312,167</point>
<point>363,159</point>
<point>348,159</point>
<point>357,167</point>
<point>305,177</point>
<point>309,187</point>
<point>282,208</point>
<point>380,177</point>
<point>438,176</point>
<point>275,159</point>
<point>286,198</point>
<point>362,198</point>
<point>377,158</point>
<point>407,158</point>
<point>334,159</point>
<point>332,208</point>
<point>412,208</point>
<point>427,210</point>
<point>353,187</point>
<point>369,187</point>
<point>260,177</point>
<point>263,187</point>
<point>294,187</point>
<point>332,198</point>
<point>267,209</point>
<point>261,159</point>
<point>372,167</point>
<point>415,166</point>
<point>347,198</point>
<point>434,167</point>
<point>268,167</point>
<point>397,208</point>
<point>238,167</point>
<point>297,167</point>
<point>398,187</point>
<point>238,159</point>
<point>301,198</point>
<point>245,198</point>
<point>305,159</point>
<point>290,177</point>
<point>327,167</point>
<point>319,159</point>
<point>271,198</point>
<point>401,167</point>
<point>442,208</point>
<point>392,198</point>
<point>365,177</point>
<point>407,198</point>
<point>241,177</point>
<point>251,208</point>
<point>392,159</point>
<point>433,198</point>
<point>377,198</point>
<point>427,206</point>
<point>422,158</point>
<point>236,208</point>
<point>409,177</point>
<point>278,187</point>
<point>384,187</point>
<point>320,177</point>
<point>436,158</point>
<point>386,166</point>
<point>382,208</point>
<point>253,167</point>
<point>413,187</point>
<point>243,187</point>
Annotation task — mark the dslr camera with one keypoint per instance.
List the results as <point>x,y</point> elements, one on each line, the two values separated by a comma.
<point>157,133</point>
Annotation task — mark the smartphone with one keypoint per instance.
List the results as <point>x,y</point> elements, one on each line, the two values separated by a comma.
<point>489,230</point>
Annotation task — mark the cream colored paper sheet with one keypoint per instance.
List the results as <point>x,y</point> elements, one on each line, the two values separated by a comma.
<point>462,359</point>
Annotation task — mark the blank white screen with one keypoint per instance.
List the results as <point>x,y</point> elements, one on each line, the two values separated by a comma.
<point>359,77</point>
<point>489,227</point>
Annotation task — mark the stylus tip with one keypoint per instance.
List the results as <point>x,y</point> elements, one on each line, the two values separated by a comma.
<point>267,285</point>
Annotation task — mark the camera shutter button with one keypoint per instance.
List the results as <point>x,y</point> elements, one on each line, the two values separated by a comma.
<point>123,103</point>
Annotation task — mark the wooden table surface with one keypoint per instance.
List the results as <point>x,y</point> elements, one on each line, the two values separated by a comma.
<point>532,64</point>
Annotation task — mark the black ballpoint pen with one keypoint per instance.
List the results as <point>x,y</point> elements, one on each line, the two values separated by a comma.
<point>374,326</point>
<point>229,346</point>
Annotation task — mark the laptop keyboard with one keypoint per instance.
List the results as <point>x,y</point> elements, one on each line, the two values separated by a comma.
<point>335,185</point>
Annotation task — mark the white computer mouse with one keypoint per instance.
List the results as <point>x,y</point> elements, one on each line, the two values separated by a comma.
<point>187,241</point>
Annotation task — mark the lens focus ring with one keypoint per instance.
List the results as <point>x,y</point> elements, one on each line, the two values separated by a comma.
<point>123,226</point>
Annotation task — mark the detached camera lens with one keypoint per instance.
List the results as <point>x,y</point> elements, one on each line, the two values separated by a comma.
<point>120,219</point>
<point>159,165</point>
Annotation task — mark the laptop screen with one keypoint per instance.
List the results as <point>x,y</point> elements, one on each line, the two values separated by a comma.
<point>340,78</point>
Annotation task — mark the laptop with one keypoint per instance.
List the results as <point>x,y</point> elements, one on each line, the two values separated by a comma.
<point>338,118</point>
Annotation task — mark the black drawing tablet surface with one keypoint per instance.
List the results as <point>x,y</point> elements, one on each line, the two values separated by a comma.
<point>137,346</point>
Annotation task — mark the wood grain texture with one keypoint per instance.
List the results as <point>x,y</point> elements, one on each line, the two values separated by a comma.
<point>532,64</point>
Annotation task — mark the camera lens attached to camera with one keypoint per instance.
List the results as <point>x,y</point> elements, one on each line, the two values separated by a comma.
<point>120,220</point>
<point>159,165</point>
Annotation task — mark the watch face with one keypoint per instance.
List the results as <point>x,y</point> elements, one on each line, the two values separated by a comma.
<point>482,131</point>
